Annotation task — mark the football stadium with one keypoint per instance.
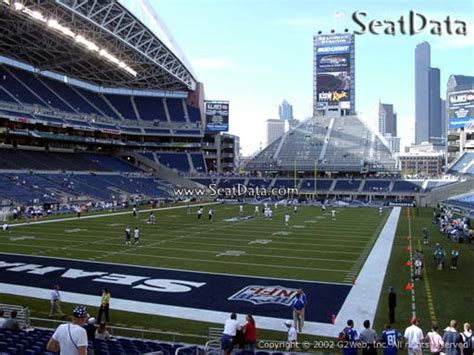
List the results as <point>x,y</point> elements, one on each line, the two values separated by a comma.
<point>131,226</point>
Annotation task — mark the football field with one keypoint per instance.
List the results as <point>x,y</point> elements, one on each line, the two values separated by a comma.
<point>202,270</point>
<point>313,247</point>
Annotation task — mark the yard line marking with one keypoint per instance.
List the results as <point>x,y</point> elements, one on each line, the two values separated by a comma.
<point>412,272</point>
<point>428,291</point>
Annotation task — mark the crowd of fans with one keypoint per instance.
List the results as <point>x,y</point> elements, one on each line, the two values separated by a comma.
<point>452,342</point>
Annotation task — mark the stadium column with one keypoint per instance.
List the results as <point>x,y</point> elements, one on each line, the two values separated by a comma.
<point>315,176</point>
<point>294,174</point>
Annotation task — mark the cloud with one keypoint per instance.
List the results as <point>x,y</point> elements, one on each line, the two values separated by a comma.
<point>213,63</point>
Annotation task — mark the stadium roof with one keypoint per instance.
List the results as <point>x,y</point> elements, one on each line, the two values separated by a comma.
<point>460,82</point>
<point>97,41</point>
<point>337,144</point>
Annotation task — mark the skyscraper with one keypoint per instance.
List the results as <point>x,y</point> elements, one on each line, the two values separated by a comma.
<point>387,120</point>
<point>388,126</point>
<point>285,111</point>
<point>275,129</point>
<point>428,125</point>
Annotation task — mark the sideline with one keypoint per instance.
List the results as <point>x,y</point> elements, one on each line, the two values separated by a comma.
<point>107,215</point>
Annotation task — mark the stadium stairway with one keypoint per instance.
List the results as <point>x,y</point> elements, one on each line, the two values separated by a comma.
<point>442,193</point>
<point>162,172</point>
<point>167,111</point>
<point>116,111</point>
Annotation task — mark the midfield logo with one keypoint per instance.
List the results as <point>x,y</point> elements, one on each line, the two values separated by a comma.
<point>265,295</point>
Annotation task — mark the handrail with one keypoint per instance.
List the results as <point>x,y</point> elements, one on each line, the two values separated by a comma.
<point>142,332</point>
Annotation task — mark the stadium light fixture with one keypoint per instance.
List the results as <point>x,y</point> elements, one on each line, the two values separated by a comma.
<point>18,6</point>
<point>53,23</point>
<point>89,45</point>
<point>63,29</point>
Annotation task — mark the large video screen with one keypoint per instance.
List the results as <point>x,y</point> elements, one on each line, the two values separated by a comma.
<point>460,109</point>
<point>217,116</point>
<point>333,68</point>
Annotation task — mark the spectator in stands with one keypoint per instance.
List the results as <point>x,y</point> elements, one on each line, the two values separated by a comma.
<point>292,334</point>
<point>434,340</point>
<point>56,303</point>
<point>2,318</point>
<point>12,323</point>
<point>348,339</point>
<point>90,328</point>
<point>71,338</point>
<point>368,337</point>
<point>390,340</point>
<point>102,333</point>
<point>452,339</point>
<point>468,340</point>
<point>104,305</point>
<point>231,327</point>
<point>250,333</point>
<point>414,337</point>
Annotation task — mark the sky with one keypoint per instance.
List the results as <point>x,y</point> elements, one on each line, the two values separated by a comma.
<point>255,53</point>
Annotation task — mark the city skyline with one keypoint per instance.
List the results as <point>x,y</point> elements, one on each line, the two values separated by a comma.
<point>256,58</point>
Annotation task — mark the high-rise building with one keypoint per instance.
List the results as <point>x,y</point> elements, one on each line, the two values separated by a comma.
<point>393,143</point>
<point>387,124</point>
<point>387,120</point>
<point>275,129</point>
<point>285,111</point>
<point>333,74</point>
<point>428,124</point>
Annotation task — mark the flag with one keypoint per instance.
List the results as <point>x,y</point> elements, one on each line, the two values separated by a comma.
<point>339,15</point>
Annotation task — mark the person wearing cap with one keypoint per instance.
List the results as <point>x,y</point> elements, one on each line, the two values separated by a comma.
<point>71,338</point>
<point>56,303</point>
<point>292,334</point>
<point>414,337</point>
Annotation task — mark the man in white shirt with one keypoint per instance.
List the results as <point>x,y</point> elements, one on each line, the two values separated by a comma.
<point>2,318</point>
<point>256,210</point>
<point>71,338</point>
<point>414,337</point>
<point>231,326</point>
<point>292,334</point>
<point>241,209</point>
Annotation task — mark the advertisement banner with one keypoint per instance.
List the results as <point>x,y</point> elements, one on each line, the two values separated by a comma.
<point>217,116</point>
<point>333,62</point>
<point>460,108</point>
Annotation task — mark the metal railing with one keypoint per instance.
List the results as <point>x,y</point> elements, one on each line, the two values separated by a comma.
<point>139,333</point>
<point>23,314</point>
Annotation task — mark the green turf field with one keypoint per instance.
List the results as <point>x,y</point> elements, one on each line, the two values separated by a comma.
<point>315,248</point>
<point>441,295</point>
<point>312,247</point>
